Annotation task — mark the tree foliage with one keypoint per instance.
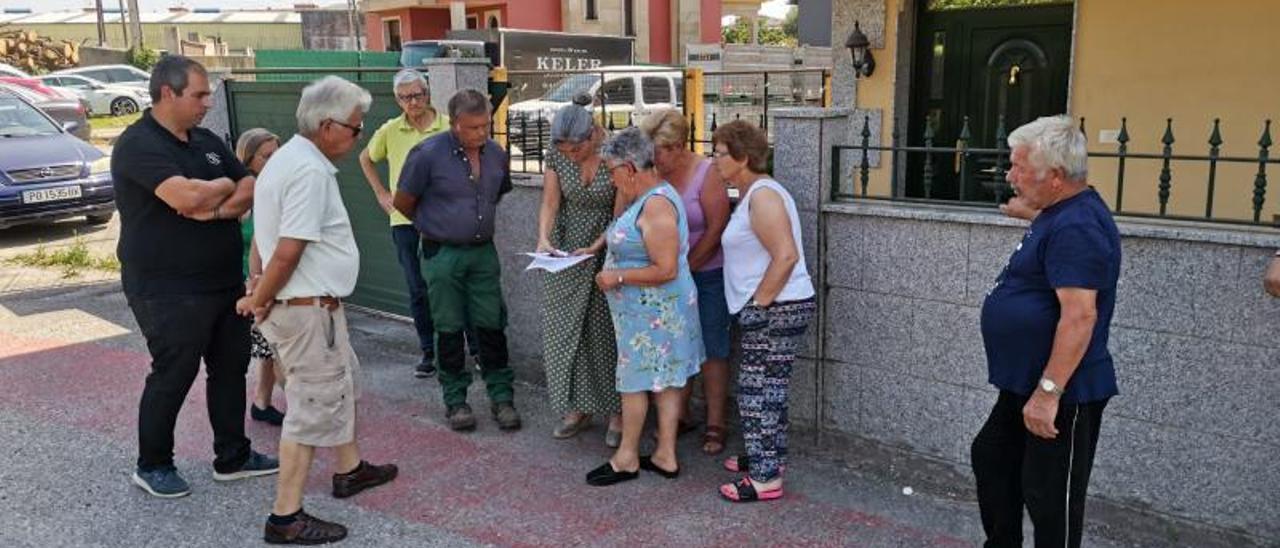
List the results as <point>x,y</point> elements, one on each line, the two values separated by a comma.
<point>786,34</point>
<point>144,58</point>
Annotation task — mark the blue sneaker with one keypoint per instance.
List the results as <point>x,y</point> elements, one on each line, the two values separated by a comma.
<point>257,465</point>
<point>162,482</point>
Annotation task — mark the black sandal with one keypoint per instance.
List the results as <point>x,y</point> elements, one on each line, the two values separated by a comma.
<point>743,491</point>
<point>646,463</point>
<point>605,475</point>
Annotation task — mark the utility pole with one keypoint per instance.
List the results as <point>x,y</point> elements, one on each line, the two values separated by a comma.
<point>124,24</point>
<point>102,25</point>
<point>135,17</point>
<point>354,21</point>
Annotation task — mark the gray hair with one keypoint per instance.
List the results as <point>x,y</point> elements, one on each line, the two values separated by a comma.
<point>1054,142</point>
<point>468,101</point>
<point>252,140</point>
<point>629,145</point>
<point>329,98</point>
<point>406,77</point>
<point>172,71</point>
<point>573,123</point>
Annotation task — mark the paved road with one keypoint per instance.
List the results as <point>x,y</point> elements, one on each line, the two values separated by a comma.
<point>72,365</point>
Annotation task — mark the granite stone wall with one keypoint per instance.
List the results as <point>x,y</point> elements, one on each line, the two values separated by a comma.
<point>1193,432</point>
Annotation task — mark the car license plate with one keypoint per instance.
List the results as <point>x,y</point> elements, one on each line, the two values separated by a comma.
<point>51,194</point>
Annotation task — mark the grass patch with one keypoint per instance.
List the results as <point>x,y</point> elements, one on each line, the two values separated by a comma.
<point>108,122</point>
<point>71,259</point>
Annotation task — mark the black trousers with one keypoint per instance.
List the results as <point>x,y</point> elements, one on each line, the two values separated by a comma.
<point>1013,468</point>
<point>181,330</point>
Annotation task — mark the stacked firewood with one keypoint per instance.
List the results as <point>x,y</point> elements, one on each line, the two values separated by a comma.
<point>36,54</point>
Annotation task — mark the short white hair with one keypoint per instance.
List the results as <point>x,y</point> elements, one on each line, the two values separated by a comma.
<point>1054,142</point>
<point>329,98</point>
<point>406,77</point>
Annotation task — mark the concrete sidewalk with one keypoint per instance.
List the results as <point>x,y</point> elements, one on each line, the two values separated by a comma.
<point>72,365</point>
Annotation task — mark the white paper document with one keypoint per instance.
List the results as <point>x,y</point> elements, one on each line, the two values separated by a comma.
<point>554,262</point>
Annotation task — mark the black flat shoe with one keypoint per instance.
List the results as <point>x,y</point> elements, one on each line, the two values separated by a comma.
<point>606,475</point>
<point>270,415</point>
<point>646,463</point>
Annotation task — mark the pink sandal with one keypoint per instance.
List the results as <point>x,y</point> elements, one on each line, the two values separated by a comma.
<point>744,491</point>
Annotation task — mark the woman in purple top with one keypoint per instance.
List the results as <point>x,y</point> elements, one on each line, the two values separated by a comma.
<point>706,201</point>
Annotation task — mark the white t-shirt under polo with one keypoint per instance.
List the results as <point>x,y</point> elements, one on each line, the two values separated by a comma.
<point>746,259</point>
<point>297,197</point>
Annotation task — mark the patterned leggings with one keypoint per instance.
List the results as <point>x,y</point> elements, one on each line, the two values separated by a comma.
<point>770,338</point>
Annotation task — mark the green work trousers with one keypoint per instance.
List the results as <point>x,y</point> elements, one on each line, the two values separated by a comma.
<point>464,283</point>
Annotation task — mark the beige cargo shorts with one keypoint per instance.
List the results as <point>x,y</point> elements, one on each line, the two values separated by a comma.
<point>313,352</point>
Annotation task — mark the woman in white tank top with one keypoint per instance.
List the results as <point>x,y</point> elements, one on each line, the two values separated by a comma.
<point>768,290</point>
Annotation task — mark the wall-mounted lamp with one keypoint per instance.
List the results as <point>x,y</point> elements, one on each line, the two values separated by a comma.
<point>860,47</point>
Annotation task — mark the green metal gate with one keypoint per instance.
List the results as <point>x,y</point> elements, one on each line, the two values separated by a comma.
<point>271,105</point>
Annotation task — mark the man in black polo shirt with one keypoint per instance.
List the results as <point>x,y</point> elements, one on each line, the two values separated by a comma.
<point>180,192</point>
<point>450,186</point>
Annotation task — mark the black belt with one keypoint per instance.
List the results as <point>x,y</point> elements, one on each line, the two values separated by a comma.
<point>455,244</point>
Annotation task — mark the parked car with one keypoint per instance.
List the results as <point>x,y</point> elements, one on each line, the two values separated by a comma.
<point>10,70</point>
<point>71,114</point>
<point>34,84</point>
<point>618,98</point>
<point>45,173</point>
<point>103,98</point>
<point>124,75</point>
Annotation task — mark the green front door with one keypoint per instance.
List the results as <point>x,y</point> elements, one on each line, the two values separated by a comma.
<point>985,63</point>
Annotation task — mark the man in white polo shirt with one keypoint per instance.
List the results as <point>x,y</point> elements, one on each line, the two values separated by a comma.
<point>301,227</point>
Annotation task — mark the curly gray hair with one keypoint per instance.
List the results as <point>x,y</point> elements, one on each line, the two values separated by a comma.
<point>629,145</point>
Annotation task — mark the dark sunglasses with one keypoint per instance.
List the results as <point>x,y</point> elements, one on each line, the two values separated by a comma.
<point>355,130</point>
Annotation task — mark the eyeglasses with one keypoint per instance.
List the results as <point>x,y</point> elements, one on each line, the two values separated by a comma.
<point>411,97</point>
<point>719,153</point>
<point>355,130</point>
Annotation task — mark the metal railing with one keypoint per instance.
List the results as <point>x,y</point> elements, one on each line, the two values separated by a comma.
<point>969,162</point>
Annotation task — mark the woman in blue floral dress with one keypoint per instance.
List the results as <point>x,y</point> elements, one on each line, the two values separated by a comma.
<point>654,304</point>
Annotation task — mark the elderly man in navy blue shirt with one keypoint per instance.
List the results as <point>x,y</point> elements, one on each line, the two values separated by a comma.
<point>450,187</point>
<point>1045,325</point>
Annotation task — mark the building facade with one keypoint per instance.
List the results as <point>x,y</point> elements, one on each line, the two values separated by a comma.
<point>661,27</point>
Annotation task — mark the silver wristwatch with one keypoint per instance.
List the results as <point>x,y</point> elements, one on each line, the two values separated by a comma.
<point>1049,386</point>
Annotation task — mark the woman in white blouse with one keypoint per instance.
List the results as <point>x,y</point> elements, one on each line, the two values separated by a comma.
<point>768,290</point>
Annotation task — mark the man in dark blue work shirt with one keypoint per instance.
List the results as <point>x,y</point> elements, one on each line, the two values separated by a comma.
<point>1045,325</point>
<point>180,193</point>
<point>450,187</point>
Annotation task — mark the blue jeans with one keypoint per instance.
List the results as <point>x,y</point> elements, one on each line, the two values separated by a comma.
<point>410,253</point>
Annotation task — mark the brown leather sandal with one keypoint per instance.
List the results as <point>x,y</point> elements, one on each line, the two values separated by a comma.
<point>713,440</point>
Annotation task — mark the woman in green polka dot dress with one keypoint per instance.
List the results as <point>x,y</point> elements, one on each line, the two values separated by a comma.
<point>578,203</point>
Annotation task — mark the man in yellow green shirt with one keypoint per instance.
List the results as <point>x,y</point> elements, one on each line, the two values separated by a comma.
<point>392,142</point>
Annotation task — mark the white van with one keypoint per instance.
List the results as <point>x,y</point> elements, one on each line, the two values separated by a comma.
<point>628,93</point>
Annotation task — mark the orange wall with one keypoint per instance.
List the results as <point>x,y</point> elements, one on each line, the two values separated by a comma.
<point>710,23</point>
<point>660,25</point>
<point>533,15</point>
<point>1149,60</point>
<point>373,27</point>
<point>428,25</point>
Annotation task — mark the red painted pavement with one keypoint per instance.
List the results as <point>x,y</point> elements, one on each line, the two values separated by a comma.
<point>489,489</point>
